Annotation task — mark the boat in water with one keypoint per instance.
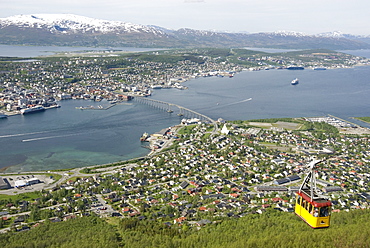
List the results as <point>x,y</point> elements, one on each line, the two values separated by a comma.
<point>144,136</point>
<point>3,116</point>
<point>32,110</point>
<point>295,68</point>
<point>294,81</point>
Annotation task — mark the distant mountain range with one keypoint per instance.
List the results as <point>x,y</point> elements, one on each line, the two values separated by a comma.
<point>73,30</point>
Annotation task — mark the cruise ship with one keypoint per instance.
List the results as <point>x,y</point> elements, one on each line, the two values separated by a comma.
<point>295,81</point>
<point>32,110</point>
<point>295,68</point>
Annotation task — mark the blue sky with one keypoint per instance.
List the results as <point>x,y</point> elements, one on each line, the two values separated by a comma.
<point>310,17</point>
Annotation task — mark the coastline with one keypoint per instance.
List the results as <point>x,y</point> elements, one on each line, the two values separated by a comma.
<point>87,171</point>
<point>15,113</point>
<point>359,119</point>
<point>3,169</point>
<point>167,142</point>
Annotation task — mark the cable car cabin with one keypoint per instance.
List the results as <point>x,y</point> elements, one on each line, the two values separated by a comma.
<point>316,213</point>
<point>312,208</point>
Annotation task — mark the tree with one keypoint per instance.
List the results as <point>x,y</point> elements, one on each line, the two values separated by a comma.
<point>35,213</point>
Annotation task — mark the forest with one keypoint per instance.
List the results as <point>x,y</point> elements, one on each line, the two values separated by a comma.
<point>271,229</point>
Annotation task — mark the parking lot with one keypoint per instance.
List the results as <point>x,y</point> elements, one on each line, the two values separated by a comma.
<point>44,181</point>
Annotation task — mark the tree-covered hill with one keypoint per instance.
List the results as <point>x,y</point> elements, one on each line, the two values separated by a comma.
<point>80,232</point>
<point>271,229</point>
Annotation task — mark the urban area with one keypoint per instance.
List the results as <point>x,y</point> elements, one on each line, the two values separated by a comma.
<point>200,174</point>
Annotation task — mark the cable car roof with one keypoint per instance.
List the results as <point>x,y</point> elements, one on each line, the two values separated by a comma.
<point>321,202</point>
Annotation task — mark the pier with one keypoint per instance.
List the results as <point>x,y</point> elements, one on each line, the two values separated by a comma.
<point>100,107</point>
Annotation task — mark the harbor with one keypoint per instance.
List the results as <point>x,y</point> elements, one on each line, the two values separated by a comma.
<point>101,107</point>
<point>24,111</point>
<point>113,102</point>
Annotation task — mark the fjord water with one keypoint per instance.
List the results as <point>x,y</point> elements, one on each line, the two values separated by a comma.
<point>269,94</point>
<point>35,51</point>
<point>68,137</point>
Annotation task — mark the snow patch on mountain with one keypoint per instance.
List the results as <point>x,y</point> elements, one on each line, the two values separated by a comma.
<point>339,34</point>
<point>334,34</point>
<point>188,31</point>
<point>288,33</point>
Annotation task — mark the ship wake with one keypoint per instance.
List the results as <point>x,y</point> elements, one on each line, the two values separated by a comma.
<point>49,137</point>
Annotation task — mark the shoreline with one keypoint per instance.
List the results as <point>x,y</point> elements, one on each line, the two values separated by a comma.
<point>10,114</point>
<point>190,77</point>
<point>358,119</point>
<point>151,151</point>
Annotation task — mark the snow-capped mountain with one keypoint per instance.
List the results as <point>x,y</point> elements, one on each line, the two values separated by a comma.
<point>341,35</point>
<point>74,30</point>
<point>68,23</point>
<point>334,34</point>
<point>288,33</point>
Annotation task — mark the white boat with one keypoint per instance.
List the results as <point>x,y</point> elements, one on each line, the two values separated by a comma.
<point>32,110</point>
<point>156,86</point>
<point>144,136</point>
<point>295,81</point>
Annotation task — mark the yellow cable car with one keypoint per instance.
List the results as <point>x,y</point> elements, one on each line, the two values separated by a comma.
<point>313,208</point>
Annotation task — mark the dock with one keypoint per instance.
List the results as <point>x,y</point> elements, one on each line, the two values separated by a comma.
<point>100,107</point>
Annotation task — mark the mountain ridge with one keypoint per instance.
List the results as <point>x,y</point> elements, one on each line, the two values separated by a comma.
<point>75,23</point>
<point>69,29</point>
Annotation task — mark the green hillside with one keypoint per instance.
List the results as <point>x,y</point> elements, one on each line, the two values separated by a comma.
<point>271,229</point>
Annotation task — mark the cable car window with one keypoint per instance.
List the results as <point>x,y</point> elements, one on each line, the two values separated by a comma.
<point>315,212</point>
<point>310,208</point>
<point>324,211</point>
